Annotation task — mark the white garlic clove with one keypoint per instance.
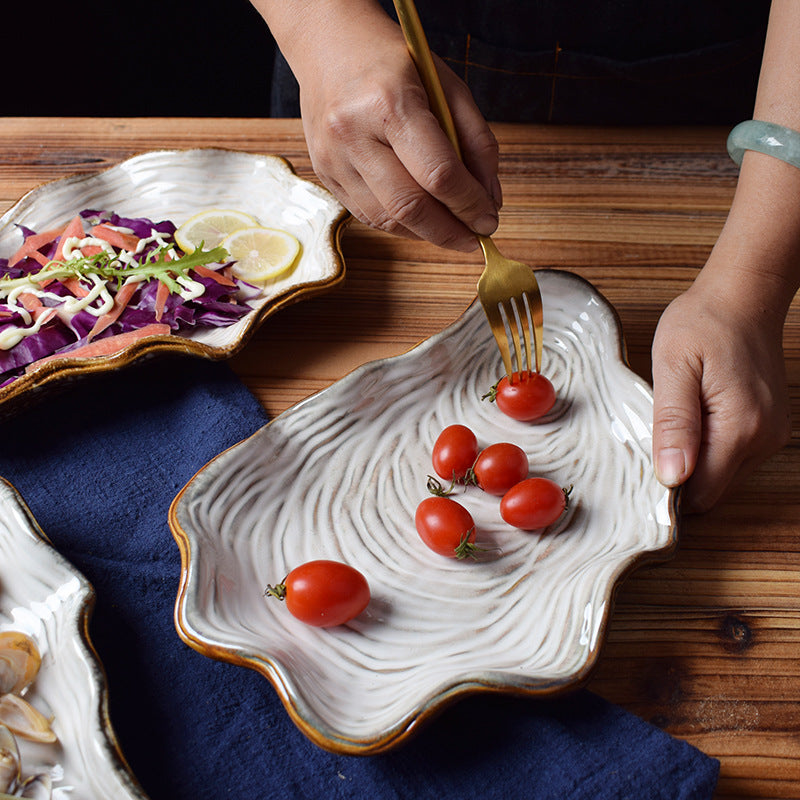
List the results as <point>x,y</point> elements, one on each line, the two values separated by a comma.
<point>23,720</point>
<point>19,661</point>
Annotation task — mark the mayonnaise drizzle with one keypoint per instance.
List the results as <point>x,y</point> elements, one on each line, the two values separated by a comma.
<point>10,337</point>
<point>67,307</point>
<point>73,244</point>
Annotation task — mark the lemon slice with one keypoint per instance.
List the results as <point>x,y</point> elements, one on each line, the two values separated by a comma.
<point>261,253</point>
<point>210,228</point>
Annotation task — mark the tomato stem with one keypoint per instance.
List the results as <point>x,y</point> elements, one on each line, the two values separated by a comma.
<point>435,487</point>
<point>278,591</point>
<point>470,479</point>
<point>491,395</point>
<point>468,549</point>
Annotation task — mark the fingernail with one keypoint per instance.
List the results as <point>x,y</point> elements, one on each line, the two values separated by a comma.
<point>670,466</point>
<point>485,225</point>
<point>497,192</point>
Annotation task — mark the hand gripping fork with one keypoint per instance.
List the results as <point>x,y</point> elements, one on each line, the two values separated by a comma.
<point>508,290</point>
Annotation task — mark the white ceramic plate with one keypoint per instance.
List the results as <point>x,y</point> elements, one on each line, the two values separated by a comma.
<point>340,475</point>
<point>174,185</point>
<point>44,597</point>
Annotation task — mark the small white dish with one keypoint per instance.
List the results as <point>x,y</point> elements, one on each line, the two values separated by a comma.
<point>174,185</point>
<point>339,476</point>
<point>44,597</point>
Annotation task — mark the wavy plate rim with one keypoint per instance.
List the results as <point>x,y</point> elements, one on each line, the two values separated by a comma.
<point>61,370</point>
<point>449,692</point>
<point>88,598</point>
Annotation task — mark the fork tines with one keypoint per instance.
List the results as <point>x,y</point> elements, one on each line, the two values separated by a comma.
<point>513,326</point>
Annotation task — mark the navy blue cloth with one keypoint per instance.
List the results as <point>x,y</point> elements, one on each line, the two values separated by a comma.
<point>99,464</point>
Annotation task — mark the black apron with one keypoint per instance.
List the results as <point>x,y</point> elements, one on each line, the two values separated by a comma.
<point>613,62</point>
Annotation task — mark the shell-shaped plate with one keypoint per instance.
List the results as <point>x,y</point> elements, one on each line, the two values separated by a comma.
<point>339,476</point>
<point>174,185</point>
<point>43,596</point>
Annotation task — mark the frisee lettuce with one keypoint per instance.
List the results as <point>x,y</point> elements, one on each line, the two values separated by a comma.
<point>109,267</point>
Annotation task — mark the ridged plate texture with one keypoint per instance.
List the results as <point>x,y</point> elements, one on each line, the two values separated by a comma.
<point>43,596</point>
<point>174,185</point>
<point>339,476</point>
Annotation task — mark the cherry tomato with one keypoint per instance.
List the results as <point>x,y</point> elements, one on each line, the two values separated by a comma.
<point>323,593</point>
<point>446,527</point>
<point>528,396</point>
<point>454,452</point>
<point>533,503</point>
<point>499,467</point>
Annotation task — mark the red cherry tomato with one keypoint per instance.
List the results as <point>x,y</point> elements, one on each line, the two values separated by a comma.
<point>446,527</point>
<point>323,593</point>
<point>533,503</point>
<point>528,396</point>
<point>454,452</point>
<point>499,467</point>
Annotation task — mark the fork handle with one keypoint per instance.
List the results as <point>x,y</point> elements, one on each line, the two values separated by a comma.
<point>420,52</point>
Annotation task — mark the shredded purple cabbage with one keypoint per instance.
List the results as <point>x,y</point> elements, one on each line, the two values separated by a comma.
<point>218,306</point>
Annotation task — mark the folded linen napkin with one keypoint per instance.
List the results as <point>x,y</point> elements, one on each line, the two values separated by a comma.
<point>99,464</point>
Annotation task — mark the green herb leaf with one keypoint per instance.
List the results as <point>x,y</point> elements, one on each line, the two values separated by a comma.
<point>109,267</point>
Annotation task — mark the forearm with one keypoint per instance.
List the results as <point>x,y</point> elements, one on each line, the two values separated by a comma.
<point>305,30</point>
<point>757,259</point>
<point>371,135</point>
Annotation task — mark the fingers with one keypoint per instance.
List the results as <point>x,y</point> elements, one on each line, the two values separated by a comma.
<point>677,420</point>
<point>742,427</point>
<point>394,183</point>
<point>379,148</point>
<point>429,189</point>
<point>479,148</point>
<point>720,400</point>
<point>378,189</point>
<point>370,215</point>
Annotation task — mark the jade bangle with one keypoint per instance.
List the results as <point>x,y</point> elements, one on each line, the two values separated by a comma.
<point>764,137</point>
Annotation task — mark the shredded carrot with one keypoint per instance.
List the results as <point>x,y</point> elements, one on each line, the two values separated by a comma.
<point>32,245</point>
<point>29,301</point>
<point>162,293</point>
<point>74,228</point>
<point>37,256</point>
<point>108,346</point>
<point>45,314</point>
<point>207,272</point>
<point>90,250</point>
<point>125,241</point>
<point>75,286</point>
<point>121,300</point>
<point>36,307</point>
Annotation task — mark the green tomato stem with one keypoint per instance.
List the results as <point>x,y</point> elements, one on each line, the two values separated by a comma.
<point>278,591</point>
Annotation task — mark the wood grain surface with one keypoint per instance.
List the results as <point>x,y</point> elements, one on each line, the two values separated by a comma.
<point>706,646</point>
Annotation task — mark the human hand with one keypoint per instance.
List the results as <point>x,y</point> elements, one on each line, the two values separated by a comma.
<point>721,403</point>
<point>377,146</point>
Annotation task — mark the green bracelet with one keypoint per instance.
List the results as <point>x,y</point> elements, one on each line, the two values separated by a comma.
<point>764,137</point>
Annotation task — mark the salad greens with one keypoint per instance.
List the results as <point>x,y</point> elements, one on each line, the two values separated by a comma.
<point>103,276</point>
<point>155,265</point>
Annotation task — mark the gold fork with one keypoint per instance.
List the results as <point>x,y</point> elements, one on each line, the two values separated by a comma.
<point>508,290</point>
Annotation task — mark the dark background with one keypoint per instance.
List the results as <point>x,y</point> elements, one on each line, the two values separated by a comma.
<point>682,61</point>
<point>205,58</point>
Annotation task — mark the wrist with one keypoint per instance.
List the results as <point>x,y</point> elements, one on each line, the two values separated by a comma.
<point>744,279</point>
<point>307,31</point>
<point>757,256</point>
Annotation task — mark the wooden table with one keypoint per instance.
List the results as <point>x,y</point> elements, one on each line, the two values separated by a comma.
<point>706,646</point>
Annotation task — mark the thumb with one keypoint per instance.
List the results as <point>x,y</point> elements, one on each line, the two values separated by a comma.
<point>677,423</point>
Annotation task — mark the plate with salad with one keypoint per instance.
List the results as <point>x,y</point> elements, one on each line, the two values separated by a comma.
<point>56,739</point>
<point>184,251</point>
